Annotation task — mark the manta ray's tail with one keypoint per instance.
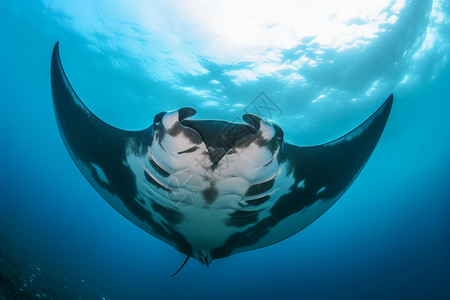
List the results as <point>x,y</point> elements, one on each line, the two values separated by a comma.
<point>187,258</point>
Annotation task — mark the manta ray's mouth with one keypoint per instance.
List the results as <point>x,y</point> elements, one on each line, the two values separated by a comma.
<point>219,136</point>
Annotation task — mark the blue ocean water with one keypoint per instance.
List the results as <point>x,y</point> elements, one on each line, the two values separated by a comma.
<point>386,238</point>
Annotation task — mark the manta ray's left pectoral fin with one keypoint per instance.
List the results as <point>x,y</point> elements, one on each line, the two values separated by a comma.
<point>103,154</point>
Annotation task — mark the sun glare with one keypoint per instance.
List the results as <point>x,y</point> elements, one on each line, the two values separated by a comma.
<point>253,33</point>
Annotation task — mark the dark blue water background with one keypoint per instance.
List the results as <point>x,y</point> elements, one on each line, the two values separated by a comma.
<point>388,237</point>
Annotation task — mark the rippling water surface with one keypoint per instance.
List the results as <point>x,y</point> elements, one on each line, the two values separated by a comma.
<point>316,69</point>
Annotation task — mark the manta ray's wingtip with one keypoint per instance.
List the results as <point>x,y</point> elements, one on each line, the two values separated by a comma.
<point>390,98</point>
<point>385,108</point>
<point>389,101</point>
<point>56,61</point>
<point>56,48</point>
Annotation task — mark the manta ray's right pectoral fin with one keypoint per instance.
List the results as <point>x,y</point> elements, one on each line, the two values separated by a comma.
<point>334,165</point>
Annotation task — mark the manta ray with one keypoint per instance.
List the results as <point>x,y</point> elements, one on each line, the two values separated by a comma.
<point>210,188</point>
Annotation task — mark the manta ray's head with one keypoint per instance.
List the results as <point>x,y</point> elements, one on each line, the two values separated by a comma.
<point>175,131</point>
